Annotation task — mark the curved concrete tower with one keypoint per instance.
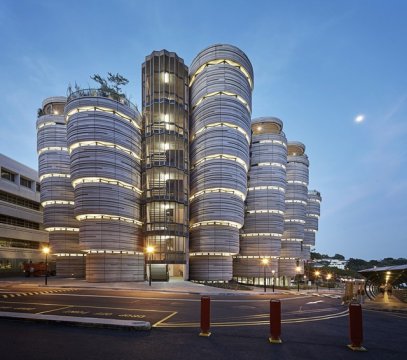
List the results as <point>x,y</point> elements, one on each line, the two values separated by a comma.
<point>260,237</point>
<point>166,161</point>
<point>311,222</point>
<point>295,215</point>
<point>104,140</point>
<point>57,196</point>
<point>221,83</point>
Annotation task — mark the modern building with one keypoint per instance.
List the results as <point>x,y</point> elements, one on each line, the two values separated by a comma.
<point>291,258</point>
<point>57,196</point>
<point>165,180</point>
<point>22,235</point>
<point>221,84</point>
<point>260,237</point>
<point>215,195</point>
<point>104,141</point>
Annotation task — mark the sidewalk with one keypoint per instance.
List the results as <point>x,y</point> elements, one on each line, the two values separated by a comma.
<point>385,303</point>
<point>173,286</point>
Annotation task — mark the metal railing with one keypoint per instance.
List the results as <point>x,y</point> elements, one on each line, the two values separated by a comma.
<point>121,98</point>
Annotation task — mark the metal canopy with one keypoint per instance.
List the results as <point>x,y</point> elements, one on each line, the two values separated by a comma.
<point>392,275</point>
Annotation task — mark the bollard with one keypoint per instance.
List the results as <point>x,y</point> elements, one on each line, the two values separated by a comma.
<point>355,327</point>
<point>275,322</point>
<point>205,316</point>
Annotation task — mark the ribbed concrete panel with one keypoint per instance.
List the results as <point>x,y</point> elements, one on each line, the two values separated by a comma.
<point>221,52</point>
<point>100,198</point>
<point>220,206</point>
<point>211,175</point>
<point>220,112</point>
<point>261,246</point>
<point>60,215</point>
<point>111,235</point>
<point>210,268</point>
<point>296,206</point>
<point>313,213</point>
<point>71,266</point>
<point>52,188</point>
<point>104,140</point>
<point>62,240</point>
<point>214,238</point>
<point>265,202</point>
<point>306,252</point>
<point>287,268</point>
<point>114,267</point>
<point>57,196</point>
<point>220,140</point>
<point>221,79</point>
<point>248,270</point>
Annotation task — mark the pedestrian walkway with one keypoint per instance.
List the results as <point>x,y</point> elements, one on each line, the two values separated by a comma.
<point>384,302</point>
<point>173,286</point>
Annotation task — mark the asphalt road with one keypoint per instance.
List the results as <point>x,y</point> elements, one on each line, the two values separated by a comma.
<point>312,327</point>
<point>163,309</point>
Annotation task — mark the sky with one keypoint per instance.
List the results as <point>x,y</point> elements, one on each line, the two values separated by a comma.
<point>318,66</point>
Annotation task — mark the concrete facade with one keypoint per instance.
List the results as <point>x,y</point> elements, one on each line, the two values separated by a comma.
<point>22,234</point>
<point>260,237</point>
<point>104,140</point>
<point>291,258</point>
<point>57,195</point>
<point>221,83</point>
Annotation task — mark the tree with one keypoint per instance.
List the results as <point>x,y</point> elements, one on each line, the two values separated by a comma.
<point>112,84</point>
<point>116,81</point>
<point>339,257</point>
<point>102,82</point>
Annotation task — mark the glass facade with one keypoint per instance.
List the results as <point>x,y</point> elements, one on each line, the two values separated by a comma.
<point>165,157</point>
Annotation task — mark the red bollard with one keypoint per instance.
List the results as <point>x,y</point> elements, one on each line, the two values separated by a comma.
<point>355,327</point>
<point>205,316</point>
<point>275,322</point>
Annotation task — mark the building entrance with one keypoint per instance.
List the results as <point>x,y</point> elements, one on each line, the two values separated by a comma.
<point>176,271</point>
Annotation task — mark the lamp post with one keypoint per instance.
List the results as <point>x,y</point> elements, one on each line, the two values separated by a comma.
<point>316,278</point>
<point>274,277</point>
<point>265,263</point>
<point>45,250</point>
<point>328,278</point>
<point>298,269</point>
<point>150,251</point>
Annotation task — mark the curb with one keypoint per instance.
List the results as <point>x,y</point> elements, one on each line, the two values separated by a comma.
<point>79,321</point>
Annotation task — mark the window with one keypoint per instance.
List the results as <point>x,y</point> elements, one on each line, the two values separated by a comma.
<point>4,219</point>
<point>25,182</point>
<point>37,187</point>
<point>8,175</point>
<point>18,200</point>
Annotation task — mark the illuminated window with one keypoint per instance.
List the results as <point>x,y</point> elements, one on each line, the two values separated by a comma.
<point>166,77</point>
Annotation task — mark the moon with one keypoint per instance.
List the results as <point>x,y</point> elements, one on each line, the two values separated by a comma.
<point>360,118</point>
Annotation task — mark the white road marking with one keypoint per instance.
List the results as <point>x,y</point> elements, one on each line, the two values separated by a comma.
<point>315,302</point>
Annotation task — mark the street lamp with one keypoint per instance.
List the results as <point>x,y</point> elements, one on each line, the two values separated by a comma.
<point>45,250</point>
<point>150,251</point>
<point>298,269</point>
<point>265,263</point>
<point>328,277</point>
<point>316,278</point>
<point>274,277</point>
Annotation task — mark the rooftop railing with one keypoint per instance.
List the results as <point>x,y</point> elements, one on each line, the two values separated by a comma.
<point>121,98</point>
